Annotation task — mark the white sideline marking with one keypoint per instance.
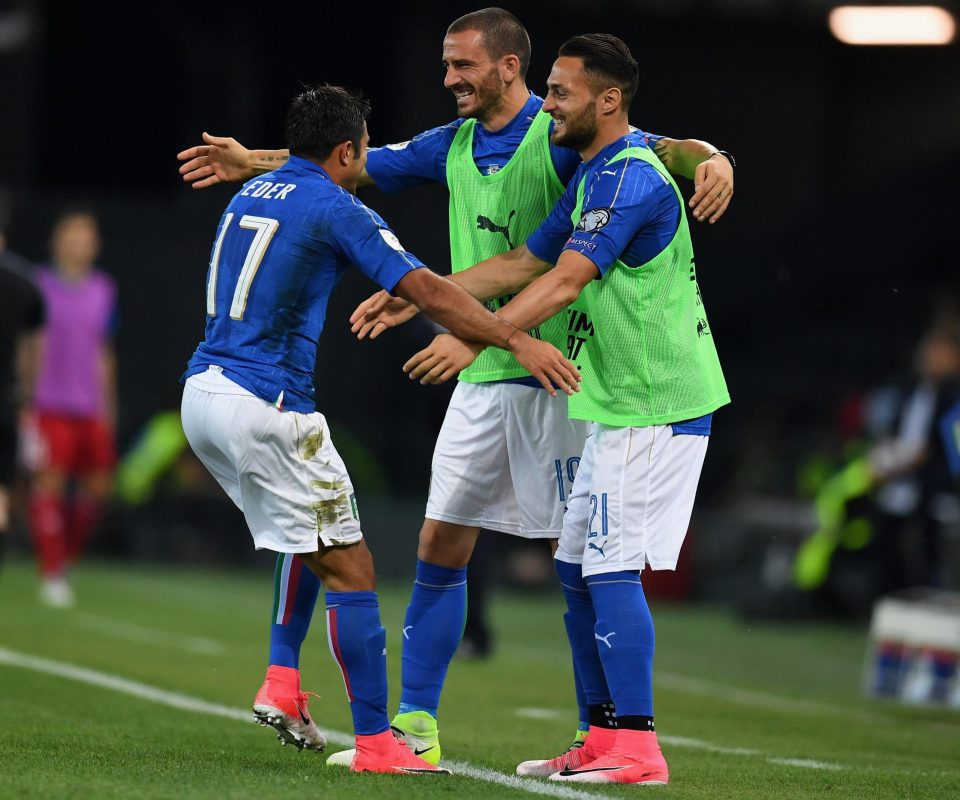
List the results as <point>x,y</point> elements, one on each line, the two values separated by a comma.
<point>139,634</point>
<point>804,762</point>
<point>538,713</point>
<point>516,782</point>
<point>749,697</point>
<point>699,744</point>
<point>187,703</point>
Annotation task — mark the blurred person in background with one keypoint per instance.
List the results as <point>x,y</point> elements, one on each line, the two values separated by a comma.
<point>75,403</point>
<point>21,318</point>
<point>884,516</point>
<point>918,498</point>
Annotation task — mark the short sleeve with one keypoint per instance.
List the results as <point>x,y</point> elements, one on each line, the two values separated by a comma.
<point>619,200</point>
<point>367,241</point>
<point>422,160</point>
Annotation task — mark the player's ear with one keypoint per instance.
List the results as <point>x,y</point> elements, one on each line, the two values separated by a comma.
<point>610,100</point>
<point>509,67</point>
<point>345,153</point>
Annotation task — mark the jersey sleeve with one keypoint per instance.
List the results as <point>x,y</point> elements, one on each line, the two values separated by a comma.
<point>619,200</point>
<point>421,160</point>
<point>367,241</point>
<point>547,241</point>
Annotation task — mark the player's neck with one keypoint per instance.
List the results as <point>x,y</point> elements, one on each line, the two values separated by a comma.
<point>608,131</point>
<point>344,178</point>
<point>514,99</point>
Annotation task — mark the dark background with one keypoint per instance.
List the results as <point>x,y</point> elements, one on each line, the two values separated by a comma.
<point>837,250</point>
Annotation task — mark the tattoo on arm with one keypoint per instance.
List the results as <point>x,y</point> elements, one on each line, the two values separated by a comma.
<point>269,162</point>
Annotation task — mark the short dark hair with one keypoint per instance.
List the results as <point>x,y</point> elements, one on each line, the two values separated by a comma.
<point>607,61</point>
<point>322,117</point>
<point>502,34</point>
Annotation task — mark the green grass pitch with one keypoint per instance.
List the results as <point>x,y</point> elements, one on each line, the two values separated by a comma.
<point>744,710</point>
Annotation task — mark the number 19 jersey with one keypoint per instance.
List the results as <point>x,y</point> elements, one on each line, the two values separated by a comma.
<point>282,244</point>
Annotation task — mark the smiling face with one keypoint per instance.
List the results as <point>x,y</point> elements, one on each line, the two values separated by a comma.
<point>572,104</point>
<point>472,75</point>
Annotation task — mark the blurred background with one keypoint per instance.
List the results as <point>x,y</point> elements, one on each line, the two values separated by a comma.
<point>824,280</point>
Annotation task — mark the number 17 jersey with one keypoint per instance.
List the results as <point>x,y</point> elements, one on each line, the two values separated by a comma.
<point>282,244</point>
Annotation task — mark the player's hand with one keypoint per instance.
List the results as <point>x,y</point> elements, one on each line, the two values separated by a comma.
<point>379,312</point>
<point>545,363</point>
<point>221,159</point>
<point>442,359</point>
<point>713,184</point>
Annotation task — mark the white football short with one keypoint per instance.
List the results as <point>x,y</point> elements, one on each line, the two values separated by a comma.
<point>505,460</point>
<point>633,498</point>
<point>279,467</point>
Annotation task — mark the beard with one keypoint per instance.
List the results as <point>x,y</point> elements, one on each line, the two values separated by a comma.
<point>488,97</point>
<point>578,132</point>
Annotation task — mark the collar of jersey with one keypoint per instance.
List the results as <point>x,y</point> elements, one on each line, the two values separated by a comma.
<point>308,165</point>
<point>608,152</point>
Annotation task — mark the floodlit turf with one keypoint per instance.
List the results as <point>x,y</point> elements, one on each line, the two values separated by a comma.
<point>744,710</point>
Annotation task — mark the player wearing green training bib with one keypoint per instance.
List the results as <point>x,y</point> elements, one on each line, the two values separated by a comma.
<point>511,203</point>
<point>650,358</point>
<point>651,381</point>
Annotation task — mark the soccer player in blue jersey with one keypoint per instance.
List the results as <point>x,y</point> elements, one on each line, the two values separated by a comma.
<point>248,403</point>
<point>522,434</point>
<point>651,381</point>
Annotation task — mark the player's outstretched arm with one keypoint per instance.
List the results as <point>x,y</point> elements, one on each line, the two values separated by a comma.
<point>502,274</point>
<point>447,355</point>
<point>551,292</point>
<point>222,159</point>
<point>463,316</point>
<point>379,312</point>
<point>712,174</point>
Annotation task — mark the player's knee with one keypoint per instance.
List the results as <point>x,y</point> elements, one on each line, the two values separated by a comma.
<point>446,544</point>
<point>344,568</point>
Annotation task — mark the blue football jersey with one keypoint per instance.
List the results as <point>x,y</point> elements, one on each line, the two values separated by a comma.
<point>281,246</point>
<point>638,209</point>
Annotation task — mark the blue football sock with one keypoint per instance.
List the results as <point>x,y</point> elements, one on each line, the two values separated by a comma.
<point>358,643</point>
<point>295,590</point>
<point>625,640</point>
<point>581,621</point>
<point>583,723</point>
<point>432,630</point>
